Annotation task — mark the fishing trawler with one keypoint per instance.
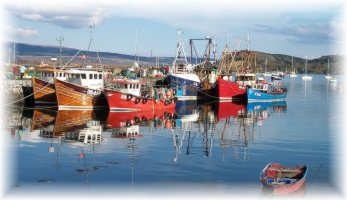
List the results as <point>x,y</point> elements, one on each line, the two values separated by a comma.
<point>83,89</point>
<point>132,94</point>
<point>182,76</point>
<point>266,92</point>
<point>43,85</point>
<point>228,81</point>
<point>235,90</point>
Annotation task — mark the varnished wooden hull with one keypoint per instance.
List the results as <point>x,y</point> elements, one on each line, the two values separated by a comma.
<point>72,97</point>
<point>44,92</point>
<point>42,118</point>
<point>73,120</point>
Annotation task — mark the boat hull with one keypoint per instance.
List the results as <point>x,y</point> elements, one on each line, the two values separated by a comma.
<point>186,89</point>
<point>74,97</point>
<point>73,120</point>
<point>28,95</point>
<point>274,176</point>
<point>121,102</point>
<point>44,92</point>
<point>253,95</point>
<point>230,91</point>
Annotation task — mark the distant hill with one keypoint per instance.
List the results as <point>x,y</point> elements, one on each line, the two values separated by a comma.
<point>35,54</point>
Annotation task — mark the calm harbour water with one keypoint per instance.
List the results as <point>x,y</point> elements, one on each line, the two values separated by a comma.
<point>223,144</point>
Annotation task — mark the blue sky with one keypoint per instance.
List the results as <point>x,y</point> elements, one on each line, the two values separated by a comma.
<point>299,28</point>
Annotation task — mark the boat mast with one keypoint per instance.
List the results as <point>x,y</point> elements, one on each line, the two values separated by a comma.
<point>328,66</point>
<point>180,59</point>
<point>292,66</point>
<point>90,42</point>
<point>60,40</point>
<point>136,59</point>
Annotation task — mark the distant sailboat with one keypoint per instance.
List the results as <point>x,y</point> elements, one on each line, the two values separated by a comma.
<point>328,75</point>
<point>293,74</point>
<point>332,80</point>
<point>306,77</point>
<point>266,73</point>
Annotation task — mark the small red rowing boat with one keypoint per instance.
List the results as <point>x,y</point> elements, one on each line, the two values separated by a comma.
<point>282,179</point>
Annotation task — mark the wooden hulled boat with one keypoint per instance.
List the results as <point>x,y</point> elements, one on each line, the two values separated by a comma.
<point>83,89</point>
<point>282,179</point>
<point>43,118</point>
<point>44,92</point>
<point>131,95</point>
<point>73,120</point>
<point>43,85</point>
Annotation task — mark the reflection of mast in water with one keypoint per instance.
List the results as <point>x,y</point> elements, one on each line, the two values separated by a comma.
<point>209,125</point>
<point>178,143</point>
<point>305,89</point>
<point>129,136</point>
<point>133,146</point>
<point>183,124</point>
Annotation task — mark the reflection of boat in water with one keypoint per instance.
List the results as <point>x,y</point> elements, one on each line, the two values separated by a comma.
<point>275,106</point>
<point>229,109</point>
<point>128,119</point>
<point>282,179</point>
<point>43,118</point>
<point>85,122</point>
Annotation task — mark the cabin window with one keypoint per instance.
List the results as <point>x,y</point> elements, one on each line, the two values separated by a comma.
<point>137,86</point>
<point>125,86</point>
<point>100,76</point>
<point>77,75</point>
<point>83,76</point>
<point>90,76</point>
<point>95,76</point>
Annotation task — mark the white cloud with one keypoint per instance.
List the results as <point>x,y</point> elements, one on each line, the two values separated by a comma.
<point>22,33</point>
<point>196,13</point>
<point>65,14</point>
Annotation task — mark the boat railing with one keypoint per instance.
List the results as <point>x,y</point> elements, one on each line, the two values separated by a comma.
<point>182,69</point>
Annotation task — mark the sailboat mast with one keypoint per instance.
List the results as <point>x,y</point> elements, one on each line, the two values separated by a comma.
<point>14,53</point>
<point>265,64</point>
<point>135,57</point>
<point>306,66</point>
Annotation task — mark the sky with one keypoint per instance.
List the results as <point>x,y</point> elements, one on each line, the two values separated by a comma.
<point>299,28</point>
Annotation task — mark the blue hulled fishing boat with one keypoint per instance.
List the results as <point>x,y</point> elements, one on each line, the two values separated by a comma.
<point>182,76</point>
<point>266,92</point>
